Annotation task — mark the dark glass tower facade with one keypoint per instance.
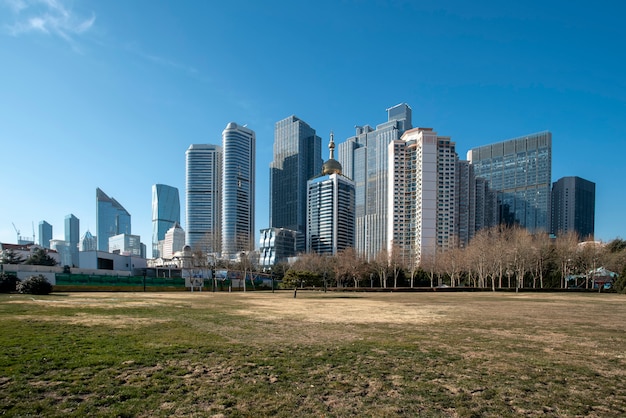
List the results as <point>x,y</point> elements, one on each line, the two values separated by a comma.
<point>72,237</point>
<point>165,213</point>
<point>573,207</point>
<point>519,170</point>
<point>297,158</point>
<point>45,234</point>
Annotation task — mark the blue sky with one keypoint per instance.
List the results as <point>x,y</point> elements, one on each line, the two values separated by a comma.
<point>110,94</point>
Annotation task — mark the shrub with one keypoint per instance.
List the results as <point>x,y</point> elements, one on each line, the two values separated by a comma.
<point>8,283</point>
<point>35,285</point>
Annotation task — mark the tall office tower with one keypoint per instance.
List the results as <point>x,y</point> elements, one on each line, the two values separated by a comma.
<point>423,202</point>
<point>238,143</point>
<point>111,219</point>
<point>520,171</point>
<point>364,159</point>
<point>465,203</point>
<point>486,205</point>
<point>330,218</point>
<point>573,207</point>
<point>87,242</point>
<point>165,213</point>
<point>203,195</point>
<point>72,236</point>
<point>297,158</point>
<point>276,245</point>
<point>45,234</point>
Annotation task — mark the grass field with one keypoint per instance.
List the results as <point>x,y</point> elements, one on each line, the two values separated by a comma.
<point>322,354</point>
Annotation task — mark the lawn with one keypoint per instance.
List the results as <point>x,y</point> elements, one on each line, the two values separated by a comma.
<point>329,354</point>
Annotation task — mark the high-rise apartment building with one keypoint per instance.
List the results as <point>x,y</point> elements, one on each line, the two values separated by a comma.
<point>173,241</point>
<point>72,236</point>
<point>203,197</point>
<point>297,158</point>
<point>238,172</point>
<point>45,234</point>
<point>423,194</point>
<point>330,219</point>
<point>111,219</point>
<point>519,170</point>
<point>165,213</point>
<point>364,158</point>
<point>573,207</point>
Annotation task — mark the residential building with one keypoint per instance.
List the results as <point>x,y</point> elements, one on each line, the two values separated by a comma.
<point>45,234</point>
<point>364,158</point>
<point>330,218</point>
<point>111,219</point>
<point>203,197</point>
<point>297,158</point>
<point>165,213</point>
<point>72,236</point>
<point>573,207</point>
<point>519,170</point>
<point>238,171</point>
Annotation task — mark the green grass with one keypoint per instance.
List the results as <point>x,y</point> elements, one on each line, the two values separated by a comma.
<point>264,354</point>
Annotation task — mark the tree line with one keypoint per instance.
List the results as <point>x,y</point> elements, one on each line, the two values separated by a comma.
<point>496,258</point>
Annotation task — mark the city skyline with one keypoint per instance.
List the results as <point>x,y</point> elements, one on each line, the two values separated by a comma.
<point>124,100</point>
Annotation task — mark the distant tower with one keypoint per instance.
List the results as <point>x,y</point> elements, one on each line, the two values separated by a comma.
<point>87,242</point>
<point>174,241</point>
<point>203,196</point>
<point>45,234</point>
<point>238,172</point>
<point>165,213</point>
<point>330,220</point>
<point>72,236</point>
<point>573,207</point>
<point>297,158</point>
<point>111,219</point>
<point>364,158</point>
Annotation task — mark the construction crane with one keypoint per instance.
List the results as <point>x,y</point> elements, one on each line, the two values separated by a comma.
<point>17,232</point>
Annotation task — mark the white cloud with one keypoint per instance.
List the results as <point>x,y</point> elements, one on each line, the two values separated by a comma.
<point>51,17</point>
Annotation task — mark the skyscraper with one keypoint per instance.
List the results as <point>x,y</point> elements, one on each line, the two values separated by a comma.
<point>111,219</point>
<point>297,158</point>
<point>364,158</point>
<point>203,196</point>
<point>238,143</point>
<point>520,171</point>
<point>330,219</point>
<point>72,236</point>
<point>573,207</point>
<point>165,213</point>
<point>424,201</point>
<point>45,234</point>
<point>87,242</point>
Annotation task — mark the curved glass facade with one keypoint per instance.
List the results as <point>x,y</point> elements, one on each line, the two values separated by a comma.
<point>165,213</point>
<point>238,143</point>
<point>111,219</point>
<point>203,197</point>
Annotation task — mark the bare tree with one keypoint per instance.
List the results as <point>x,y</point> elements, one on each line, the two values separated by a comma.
<point>349,266</point>
<point>396,263</point>
<point>565,248</point>
<point>381,265</point>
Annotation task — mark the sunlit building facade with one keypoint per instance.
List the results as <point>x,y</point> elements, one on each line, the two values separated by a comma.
<point>238,174</point>
<point>45,234</point>
<point>364,158</point>
<point>203,197</point>
<point>72,237</point>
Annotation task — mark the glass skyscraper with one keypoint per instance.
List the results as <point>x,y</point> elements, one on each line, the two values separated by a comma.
<point>165,213</point>
<point>111,219</point>
<point>297,158</point>
<point>573,207</point>
<point>364,158</point>
<point>203,197</point>
<point>238,143</point>
<point>519,171</point>
<point>72,237</point>
<point>45,234</point>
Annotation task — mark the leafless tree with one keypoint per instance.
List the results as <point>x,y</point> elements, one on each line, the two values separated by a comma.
<point>349,266</point>
<point>565,248</point>
<point>381,265</point>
